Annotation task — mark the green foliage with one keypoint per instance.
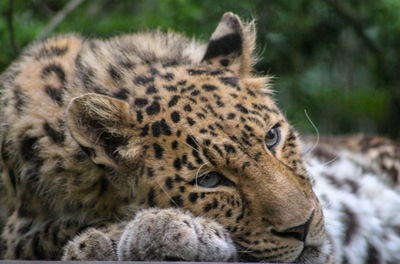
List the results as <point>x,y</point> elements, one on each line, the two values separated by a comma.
<point>339,62</point>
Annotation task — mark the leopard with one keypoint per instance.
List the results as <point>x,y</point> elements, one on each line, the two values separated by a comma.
<point>154,146</point>
<point>97,134</point>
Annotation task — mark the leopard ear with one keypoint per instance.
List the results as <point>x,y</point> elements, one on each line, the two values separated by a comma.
<point>232,45</point>
<point>101,125</point>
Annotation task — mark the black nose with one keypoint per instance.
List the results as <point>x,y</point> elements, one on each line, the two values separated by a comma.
<point>298,232</point>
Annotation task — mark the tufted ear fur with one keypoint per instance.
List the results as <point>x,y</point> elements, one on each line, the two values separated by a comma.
<point>232,45</point>
<point>101,125</point>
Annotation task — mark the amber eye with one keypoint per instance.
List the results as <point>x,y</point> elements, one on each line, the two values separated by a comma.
<point>272,138</point>
<point>210,180</point>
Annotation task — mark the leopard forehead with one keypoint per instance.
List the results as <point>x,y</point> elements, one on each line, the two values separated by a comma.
<point>201,107</point>
<point>202,100</point>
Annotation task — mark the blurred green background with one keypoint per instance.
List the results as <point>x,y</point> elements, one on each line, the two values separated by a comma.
<point>338,60</point>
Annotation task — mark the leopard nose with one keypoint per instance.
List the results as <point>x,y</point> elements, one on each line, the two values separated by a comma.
<point>298,232</point>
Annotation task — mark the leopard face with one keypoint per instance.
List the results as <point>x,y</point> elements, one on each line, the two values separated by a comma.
<point>197,132</point>
<point>212,141</point>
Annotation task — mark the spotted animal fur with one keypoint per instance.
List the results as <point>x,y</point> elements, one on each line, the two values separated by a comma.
<point>357,180</point>
<point>151,146</point>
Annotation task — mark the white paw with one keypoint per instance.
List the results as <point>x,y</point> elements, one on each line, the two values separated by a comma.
<point>90,245</point>
<point>171,234</point>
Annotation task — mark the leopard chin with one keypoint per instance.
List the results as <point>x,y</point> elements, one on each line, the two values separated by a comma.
<point>316,254</point>
<point>311,254</point>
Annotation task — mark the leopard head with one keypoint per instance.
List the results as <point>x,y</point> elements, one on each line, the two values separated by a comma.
<point>210,140</point>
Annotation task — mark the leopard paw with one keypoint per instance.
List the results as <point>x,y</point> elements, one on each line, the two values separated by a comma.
<point>171,234</point>
<point>90,245</point>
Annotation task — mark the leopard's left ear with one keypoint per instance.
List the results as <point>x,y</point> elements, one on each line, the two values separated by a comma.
<point>102,126</point>
<point>232,45</point>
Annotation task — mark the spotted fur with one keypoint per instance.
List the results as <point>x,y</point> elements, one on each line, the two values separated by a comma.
<point>95,133</point>
<point>357,179</point>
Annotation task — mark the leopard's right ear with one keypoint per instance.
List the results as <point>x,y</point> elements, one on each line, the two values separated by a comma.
<point>102,126</point>
<point>232,45</point>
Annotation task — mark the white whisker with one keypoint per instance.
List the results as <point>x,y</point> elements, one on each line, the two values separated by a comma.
<point>169,197</point>
<point>194,140</point>
<point>331,161</point>
<point>192,147</point>
<point>247,250</point>
<point>197,173</point>
<point>244,251</point>
<point>310,150</point>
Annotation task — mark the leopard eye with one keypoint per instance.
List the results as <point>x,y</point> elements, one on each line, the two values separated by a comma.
<point>272,138</point>
<point>210,180</point>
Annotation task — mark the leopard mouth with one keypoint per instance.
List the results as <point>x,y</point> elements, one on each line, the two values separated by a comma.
<point>315,254</point>
<point>247,255</point>
<point>309,255</point>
